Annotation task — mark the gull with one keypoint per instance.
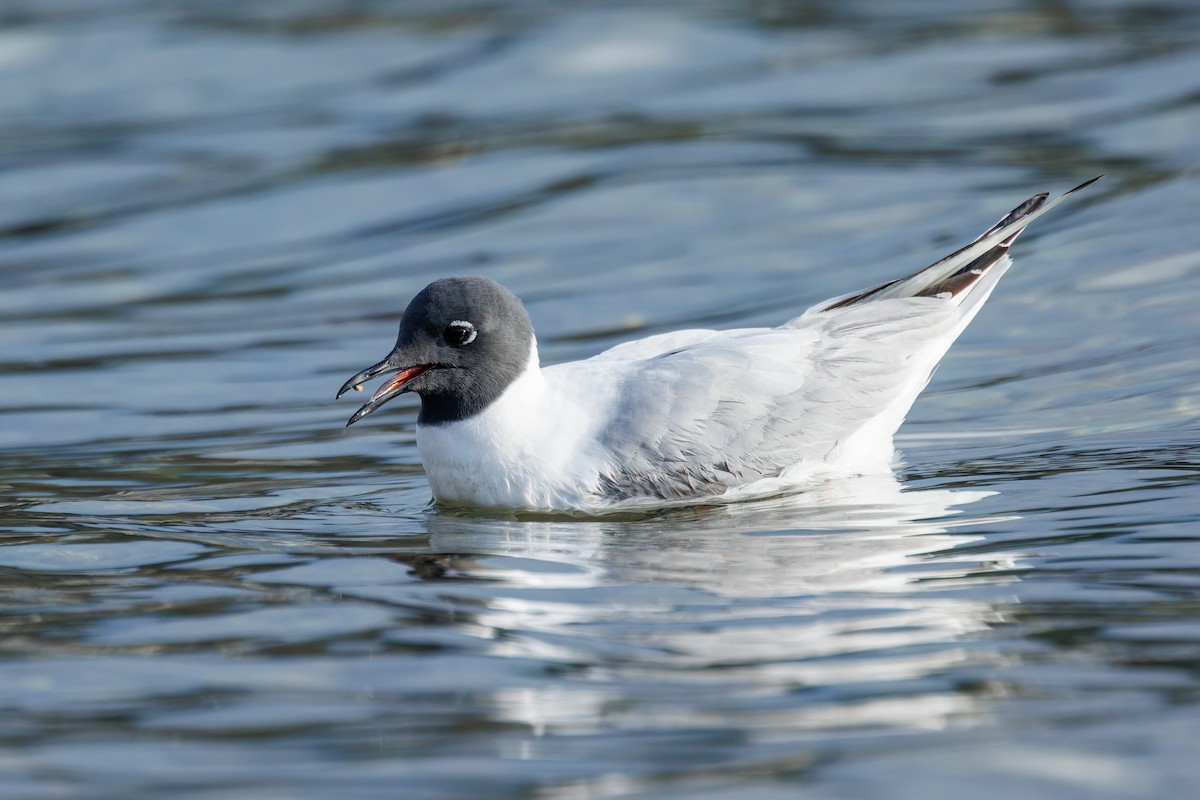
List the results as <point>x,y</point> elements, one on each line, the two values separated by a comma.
<point>692,416</point>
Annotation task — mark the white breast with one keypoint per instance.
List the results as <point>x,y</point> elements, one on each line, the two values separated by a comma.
<point>534,448</point>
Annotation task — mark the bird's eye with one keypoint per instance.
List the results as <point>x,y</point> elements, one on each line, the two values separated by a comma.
<point>459,333</point>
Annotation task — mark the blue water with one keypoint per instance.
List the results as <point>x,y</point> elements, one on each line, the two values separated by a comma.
<point>212,214</point>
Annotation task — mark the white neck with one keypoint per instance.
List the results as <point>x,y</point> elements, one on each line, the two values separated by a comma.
<point>509,455</point>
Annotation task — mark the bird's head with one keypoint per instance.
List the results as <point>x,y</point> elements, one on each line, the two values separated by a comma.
<point>462,342</point>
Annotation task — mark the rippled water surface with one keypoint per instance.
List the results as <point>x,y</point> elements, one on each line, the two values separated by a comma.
<point>211,214</point>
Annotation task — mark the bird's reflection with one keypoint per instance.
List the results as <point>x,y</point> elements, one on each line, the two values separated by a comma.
<point>831,591</point>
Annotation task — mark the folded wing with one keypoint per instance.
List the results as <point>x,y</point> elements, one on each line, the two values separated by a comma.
<point>703,411</point>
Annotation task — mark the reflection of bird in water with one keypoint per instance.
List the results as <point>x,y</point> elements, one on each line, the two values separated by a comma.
<point>682,415</point>
<point>832,588</point>
<point>844,531</point>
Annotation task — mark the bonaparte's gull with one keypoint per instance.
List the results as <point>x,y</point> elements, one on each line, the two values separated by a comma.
<point>694,414</point>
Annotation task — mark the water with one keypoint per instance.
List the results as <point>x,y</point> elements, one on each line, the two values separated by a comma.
<point>213,213</point>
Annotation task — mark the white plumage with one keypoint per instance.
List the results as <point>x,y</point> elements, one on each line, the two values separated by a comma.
<point>702,415</point>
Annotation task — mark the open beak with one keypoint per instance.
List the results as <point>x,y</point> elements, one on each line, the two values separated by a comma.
<point>397,385</point>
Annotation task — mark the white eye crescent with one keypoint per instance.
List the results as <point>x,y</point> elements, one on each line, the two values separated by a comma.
<point>459,333</point>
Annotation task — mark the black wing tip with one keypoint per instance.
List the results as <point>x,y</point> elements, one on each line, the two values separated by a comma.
<point>966,277</point>
<point>1023,210</point>
<point>1085,184</point>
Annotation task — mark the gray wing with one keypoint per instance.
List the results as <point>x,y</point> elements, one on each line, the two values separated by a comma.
<point>707,411</point>
<point>737,406</point>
